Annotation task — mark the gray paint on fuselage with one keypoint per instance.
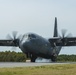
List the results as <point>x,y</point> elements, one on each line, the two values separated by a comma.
<point>38,46</point>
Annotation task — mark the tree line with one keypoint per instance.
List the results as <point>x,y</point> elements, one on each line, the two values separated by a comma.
<point>66,58</point>
<point>13,56</point>
<point>9,56</point>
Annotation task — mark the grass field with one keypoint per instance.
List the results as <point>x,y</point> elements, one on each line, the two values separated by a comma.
<point>66,69</point>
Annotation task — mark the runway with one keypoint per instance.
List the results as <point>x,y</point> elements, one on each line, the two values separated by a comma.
<point>24,64</point>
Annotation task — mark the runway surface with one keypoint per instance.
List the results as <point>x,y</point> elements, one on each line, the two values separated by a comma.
<point>24,64</point>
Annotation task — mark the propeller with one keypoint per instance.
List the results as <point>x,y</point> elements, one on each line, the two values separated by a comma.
<point>64,36</point>
<point>64,31</point>
<point>14,38</point>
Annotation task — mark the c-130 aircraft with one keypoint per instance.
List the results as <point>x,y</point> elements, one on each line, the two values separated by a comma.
<point>34,45</point>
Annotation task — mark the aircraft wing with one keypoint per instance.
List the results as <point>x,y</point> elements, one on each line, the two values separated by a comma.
<point>66,41</point>
<point>7,43</point>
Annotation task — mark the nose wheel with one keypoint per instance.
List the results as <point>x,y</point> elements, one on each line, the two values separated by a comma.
<point>33,58</point>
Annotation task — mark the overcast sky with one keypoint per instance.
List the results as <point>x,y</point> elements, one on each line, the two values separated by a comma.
<point>37,16</point>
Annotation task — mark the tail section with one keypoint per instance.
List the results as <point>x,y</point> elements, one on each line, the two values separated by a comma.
<point>55,29</point>
<point>56,48</point>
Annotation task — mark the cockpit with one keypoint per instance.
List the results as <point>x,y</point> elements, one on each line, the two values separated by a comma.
<point>29,36</point>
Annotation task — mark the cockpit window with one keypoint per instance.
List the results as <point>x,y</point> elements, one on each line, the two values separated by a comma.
<point>25,36</point>
<point>31,36</point>
<point>28,36</point>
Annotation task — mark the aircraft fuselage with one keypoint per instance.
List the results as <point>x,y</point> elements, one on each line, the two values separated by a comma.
<point>36,45</point>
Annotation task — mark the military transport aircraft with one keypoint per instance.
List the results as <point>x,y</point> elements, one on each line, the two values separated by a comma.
<point>34,45</point>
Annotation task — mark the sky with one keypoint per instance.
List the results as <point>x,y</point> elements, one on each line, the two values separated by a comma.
<point>37,16</point>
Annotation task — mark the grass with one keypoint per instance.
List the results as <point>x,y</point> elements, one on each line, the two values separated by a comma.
<point>66,69</point>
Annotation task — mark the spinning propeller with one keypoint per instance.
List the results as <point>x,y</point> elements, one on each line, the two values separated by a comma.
<point>63,31</point>
<point>64,36</point>
<point>14,38</point>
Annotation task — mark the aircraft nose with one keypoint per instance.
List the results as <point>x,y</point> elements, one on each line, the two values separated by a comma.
<point>25,42</point>
<point>24,45</point>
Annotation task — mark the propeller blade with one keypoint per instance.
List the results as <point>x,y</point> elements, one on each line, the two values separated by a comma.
<point>63,32</point>
<point>14,33</point>
<point>69,35</point>
<point>9,37</point>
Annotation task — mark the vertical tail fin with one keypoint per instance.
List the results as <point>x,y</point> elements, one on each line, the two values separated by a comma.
<point>55,29</point>
<point>57,48</point>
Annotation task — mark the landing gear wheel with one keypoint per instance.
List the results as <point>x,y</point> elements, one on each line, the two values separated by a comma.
<point>54,59</point>
<point>33,58</point>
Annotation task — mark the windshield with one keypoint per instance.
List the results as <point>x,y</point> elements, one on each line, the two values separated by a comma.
<point>31,36</point>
